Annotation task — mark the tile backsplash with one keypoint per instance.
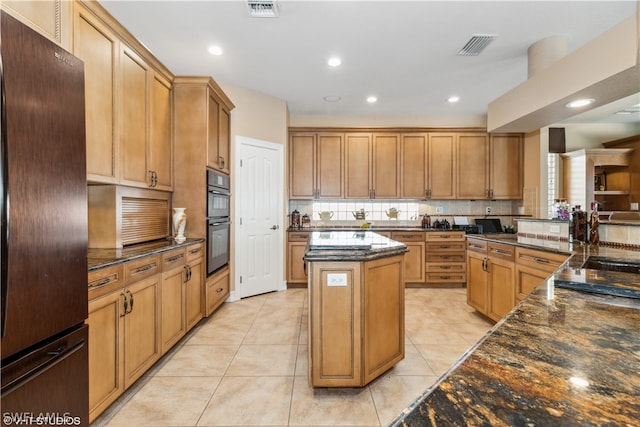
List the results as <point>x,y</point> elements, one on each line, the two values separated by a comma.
<point>408,211</point>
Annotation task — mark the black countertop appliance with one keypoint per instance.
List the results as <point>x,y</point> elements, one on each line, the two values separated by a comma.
<point>44,231</point>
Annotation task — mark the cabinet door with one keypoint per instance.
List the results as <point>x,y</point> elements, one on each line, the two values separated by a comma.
<point>358,166</point>
<point>477,286</point>
<point>296,270</point>
<point>213,133</point>
<point>472,153</point>
<point>302,161</point>
<point>172,303</point>
<point>501,288</point>
<point>527,279</point>
<point>142,328</point>
<point>329,166</point>
<point>441,167</point>
<point>106,351</point>
<point>217,289</point>
<point>193,294</point>
<point>99,50</point>
<point>414,262</point>
<point>413,166</point>
<point>506,159</point>
<point>160,143</point>
<point>224,140</point>
<point>133,118</point>
<point>386,166</point>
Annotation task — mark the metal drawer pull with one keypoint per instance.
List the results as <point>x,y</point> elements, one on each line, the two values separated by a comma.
<point>541,260</point>
<point>174,258</point>
<point>145,268</point>
<point>501,251</point>
<point>444,236</point>
<point>195,251</point>
<point>219,290</point>
<point>445,246</point>
<point>104,281</point>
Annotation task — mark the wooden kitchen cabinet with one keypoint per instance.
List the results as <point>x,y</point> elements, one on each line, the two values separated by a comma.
<point>51,18</point>
<point>99,48</point>
<point>218,136</point>
<point>173,326</point>
<point>193,123</point>
<point>316,165</point>
<point>445,258</point>
<point>194,289</point>
<point>413,165</point>
<point>532,268</point>
<point>217,290</point>
<point>490,278</point>
<point>106,338</point>
<point>472,162</point>
<point>128,103</point>
<point>296,269</point>
<point>372,165</point>
<point>414,265</point>
<point>142,320</point>
<point>506,171</point>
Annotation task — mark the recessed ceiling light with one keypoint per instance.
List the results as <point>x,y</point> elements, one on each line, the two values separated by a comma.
<point>371,99</point>
<point>334,61</point>
<point>580,103</point>
<point>215,50</point>
<point>332,98</point>
<point>453,99</point>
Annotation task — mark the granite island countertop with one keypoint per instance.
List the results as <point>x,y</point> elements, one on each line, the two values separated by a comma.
<point>561,357</point>
<point>350,246</point>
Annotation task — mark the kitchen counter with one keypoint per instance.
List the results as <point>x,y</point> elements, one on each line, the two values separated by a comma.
<point>350,246</point>
<point>561,357</point>
<point>99,258</point>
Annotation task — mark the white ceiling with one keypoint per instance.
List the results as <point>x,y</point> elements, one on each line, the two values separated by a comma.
<point>404,52</point>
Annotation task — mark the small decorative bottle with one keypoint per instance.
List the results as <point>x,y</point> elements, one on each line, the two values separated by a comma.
<point>594,222</point>
<point>179,223</point>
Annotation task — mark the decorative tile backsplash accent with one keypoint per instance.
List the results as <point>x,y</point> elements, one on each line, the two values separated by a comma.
<point>408,211</point>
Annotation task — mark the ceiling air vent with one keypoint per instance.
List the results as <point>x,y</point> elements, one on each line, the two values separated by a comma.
<point>262,8</point>
<point>476,44</point>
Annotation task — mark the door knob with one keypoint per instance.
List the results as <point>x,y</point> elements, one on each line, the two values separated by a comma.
<point>274,227</point>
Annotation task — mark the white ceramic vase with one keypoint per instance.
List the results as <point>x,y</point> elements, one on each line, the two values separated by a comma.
<point>179,223</point>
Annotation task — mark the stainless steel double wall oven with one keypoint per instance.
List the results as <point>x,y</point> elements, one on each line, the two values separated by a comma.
<point>218,221</point>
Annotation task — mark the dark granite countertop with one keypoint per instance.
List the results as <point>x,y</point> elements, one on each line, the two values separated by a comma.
<point>373,228</point>
<point>561,357</point>
<point>350,246</point>
<point>99,258</point>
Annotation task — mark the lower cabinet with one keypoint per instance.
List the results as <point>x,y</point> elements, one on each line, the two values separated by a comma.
<point>137,311</point>
<point>217,290</point>
<point>414,258</point>
<point>490,278</point>
<point>296,270</point>
<point>445,258</point>
<point>534,267</point>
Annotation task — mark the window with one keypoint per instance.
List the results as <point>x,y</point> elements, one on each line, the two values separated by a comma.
<point>552,183</point>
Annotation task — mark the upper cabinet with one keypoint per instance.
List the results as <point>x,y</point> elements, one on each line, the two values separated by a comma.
<point>316,165</point>
<point>489,166</point>
<point>218,136</point>
<point>372,165</point>
<point>410,165</point>
<point>50,18</point>
<point>128,104</point>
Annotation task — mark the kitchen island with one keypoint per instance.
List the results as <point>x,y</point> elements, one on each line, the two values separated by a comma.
<point>356,307</point>
<point>566,355</point>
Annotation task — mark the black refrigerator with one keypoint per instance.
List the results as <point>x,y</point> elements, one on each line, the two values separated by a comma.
<point>44,370</point>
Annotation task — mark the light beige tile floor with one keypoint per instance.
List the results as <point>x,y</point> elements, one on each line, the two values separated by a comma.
<point>247,366</point>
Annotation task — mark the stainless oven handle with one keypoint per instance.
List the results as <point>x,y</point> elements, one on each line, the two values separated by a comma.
<point>219,223</point>
<point>220,192</point>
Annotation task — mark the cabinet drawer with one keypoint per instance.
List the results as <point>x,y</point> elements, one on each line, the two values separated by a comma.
<point>408,236</point>
<point>443,236</point>
<point>450,267</point>
<point>545,261</point>
<point>477,245</point>
<point>445,257</point>
<point>195,252</point>
<point>446,278</point>
<point>298,236</point>
<point>497,250</point>
<point>217,290</point>
<point>142,268</point>
<point>446,247</point>
<point>105,280</point>
<point>173,259</point>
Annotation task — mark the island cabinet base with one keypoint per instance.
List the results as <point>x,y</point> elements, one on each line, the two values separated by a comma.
<point>356,320</point>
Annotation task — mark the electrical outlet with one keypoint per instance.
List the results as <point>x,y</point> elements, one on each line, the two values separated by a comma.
<point>439,209</point>
<point>487,210</point>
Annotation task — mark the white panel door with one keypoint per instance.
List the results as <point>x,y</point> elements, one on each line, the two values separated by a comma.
<point>259,223</point>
